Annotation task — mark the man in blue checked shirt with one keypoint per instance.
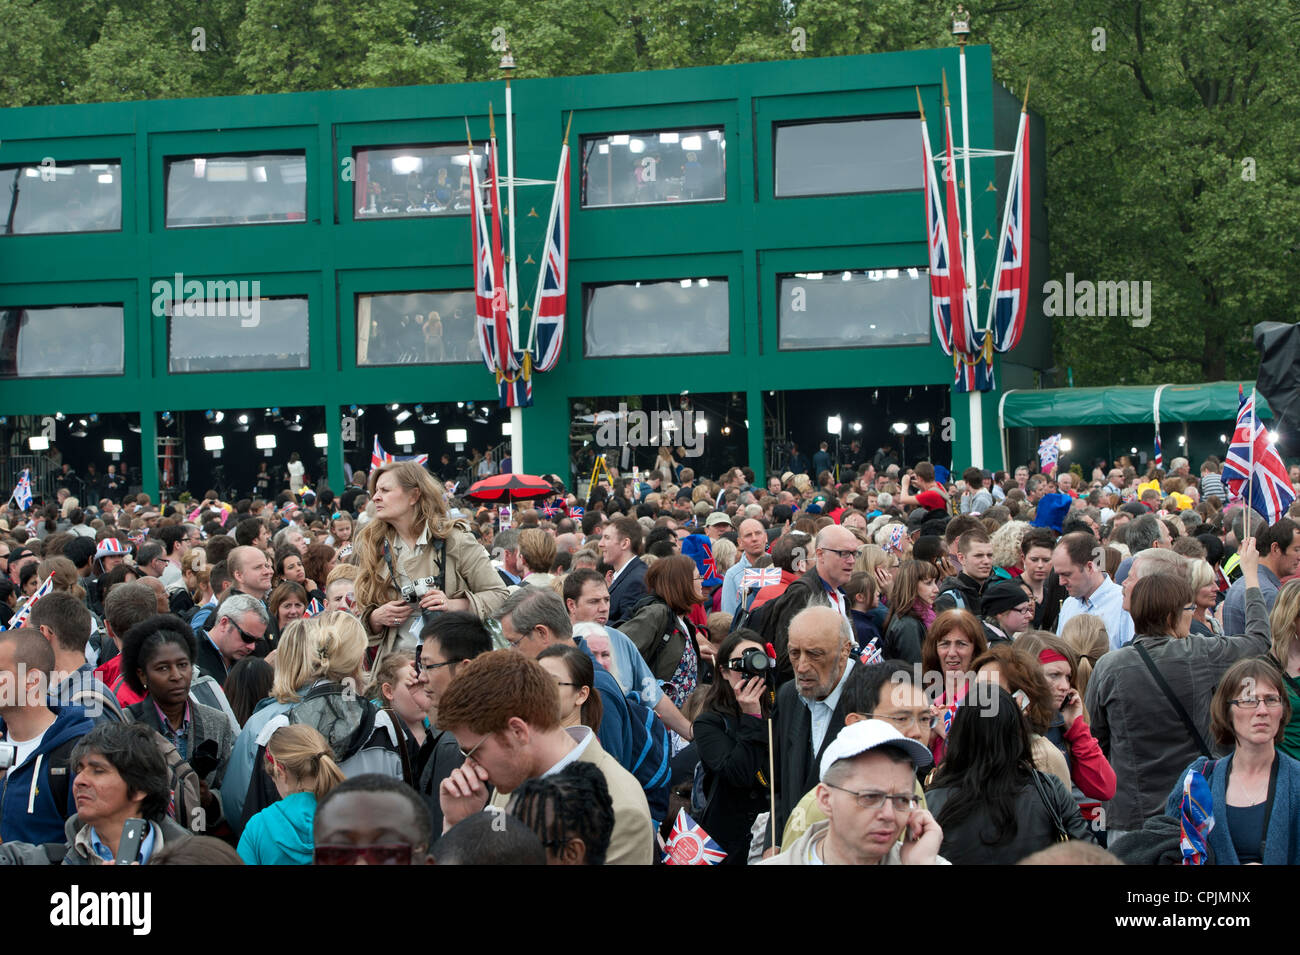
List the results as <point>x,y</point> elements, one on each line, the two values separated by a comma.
<point>753,544</point>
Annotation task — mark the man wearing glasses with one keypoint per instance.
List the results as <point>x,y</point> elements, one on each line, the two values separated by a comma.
<point>883,691</point>
<point>241,622</point>
<point>867,793</point>
<point>504,711</point>
<point>836,550</point>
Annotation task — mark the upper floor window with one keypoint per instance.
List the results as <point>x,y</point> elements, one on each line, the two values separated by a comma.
<point>398,181</point>
<point>243,189</point>
<point>832,157</point>
<point>51,197</point>
<point>629,169</point>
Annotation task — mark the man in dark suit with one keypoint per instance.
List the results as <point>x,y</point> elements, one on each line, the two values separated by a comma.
<point>821,640</point>
<point>620,542</point>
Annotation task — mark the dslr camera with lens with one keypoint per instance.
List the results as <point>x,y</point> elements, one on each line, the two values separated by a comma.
<point>753,661</point>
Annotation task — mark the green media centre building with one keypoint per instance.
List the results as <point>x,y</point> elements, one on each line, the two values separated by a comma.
<point>181,278</point>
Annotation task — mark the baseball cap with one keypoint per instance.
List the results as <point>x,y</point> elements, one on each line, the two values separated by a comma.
<point>716,518</point>
<point>19,554</point>
<point>864,735</point>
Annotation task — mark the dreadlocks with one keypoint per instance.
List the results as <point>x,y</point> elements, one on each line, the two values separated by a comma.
<point>572,804</point>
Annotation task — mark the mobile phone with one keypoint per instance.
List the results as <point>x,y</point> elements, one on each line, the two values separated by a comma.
<point>128,847</point>
<point>1022,699</point>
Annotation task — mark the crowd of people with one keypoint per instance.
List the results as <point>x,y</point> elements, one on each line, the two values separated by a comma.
<point>899,667</point>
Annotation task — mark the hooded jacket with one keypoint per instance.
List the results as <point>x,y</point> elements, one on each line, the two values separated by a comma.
<point>30,810</point>
<point>281,834</point>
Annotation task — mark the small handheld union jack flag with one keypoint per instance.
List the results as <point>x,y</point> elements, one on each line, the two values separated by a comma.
<point>577,511</point>
<point>756,577</point>
<point>22,495</point>
<point>1252,468</point>
<point>21,616</point>
<point>871,653</point>
<point>688,844</point>
<point>313,608</point>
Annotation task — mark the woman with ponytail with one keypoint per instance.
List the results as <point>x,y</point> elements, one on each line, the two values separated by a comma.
<point>301,763</point>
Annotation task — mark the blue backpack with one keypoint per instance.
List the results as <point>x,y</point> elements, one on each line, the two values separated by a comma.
<point>649,758</point>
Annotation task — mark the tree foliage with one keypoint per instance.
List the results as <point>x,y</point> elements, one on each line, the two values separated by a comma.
<point>1170,126</point>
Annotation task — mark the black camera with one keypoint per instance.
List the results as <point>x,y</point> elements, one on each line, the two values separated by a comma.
<point>753,662</point>
<point>410,595</point>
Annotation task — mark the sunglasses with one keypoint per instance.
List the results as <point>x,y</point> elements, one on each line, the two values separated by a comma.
<point>371,855</point>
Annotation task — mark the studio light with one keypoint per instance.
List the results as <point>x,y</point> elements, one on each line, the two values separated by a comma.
<point>38,442</point>
<point>900,427</point>
<point>214,442</point>
<point>265,442</point>
<point>112,445</point>
<point>321,439</point>
<point>402,416</point>
<point>834,424</point>
<point>1067,444</point>
<point>404,437</point>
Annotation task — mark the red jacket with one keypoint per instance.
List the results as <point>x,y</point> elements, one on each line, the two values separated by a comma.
<point>1089,768</point>
<point>111,673</point>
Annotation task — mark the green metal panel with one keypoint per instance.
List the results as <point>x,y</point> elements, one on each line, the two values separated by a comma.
<point>750,237</point>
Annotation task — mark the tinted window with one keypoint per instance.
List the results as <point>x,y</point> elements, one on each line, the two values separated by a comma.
<point>37,342</point>
<point>398,181</point>
<point>849,155</point>
<point>681,317</point>
<point>248,335</point>
<point>854,309</point>
<point>416,328</point>
<point>253,189</point>
<point>70,197</point>
<point>683,165</point>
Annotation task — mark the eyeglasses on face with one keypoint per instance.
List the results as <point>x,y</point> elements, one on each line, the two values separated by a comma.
<point>421,666</point>
<point>468,753</point>
<point>247,637</point>
<point>871,799</point>
<point>918,720</point>
<point>1270,702</point>
<point>842,554</point>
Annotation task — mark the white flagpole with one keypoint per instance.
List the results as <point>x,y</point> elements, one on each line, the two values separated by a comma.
<point>970,221</point>
<point>513,288</point>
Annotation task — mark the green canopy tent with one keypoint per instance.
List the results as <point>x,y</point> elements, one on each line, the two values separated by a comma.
<point>1129,404</point>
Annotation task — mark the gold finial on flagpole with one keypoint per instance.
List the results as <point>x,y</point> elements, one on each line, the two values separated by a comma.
<point>944,74</point>
<point>919,106</point>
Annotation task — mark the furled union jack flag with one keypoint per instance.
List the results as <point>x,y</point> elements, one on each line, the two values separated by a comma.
<point>552,281</point>
<point>1252,468</point>
<point>688,844</point>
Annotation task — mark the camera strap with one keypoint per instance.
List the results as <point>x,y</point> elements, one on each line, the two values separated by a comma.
<point>439,553</point>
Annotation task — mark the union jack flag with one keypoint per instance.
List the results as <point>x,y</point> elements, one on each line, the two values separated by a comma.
<point>760,577</point>
<point>379,457</point>
<point>1252,458</point>
<point>1049,450</point>
<point>551,510</point>
<point>313,608</point>
<point>552,280</point>
<point>22,495</point>
<point>871,654</point>
<point>1197,818</point>
<point>21,616</point>
<point>1011,278</point>
<point>490,299</point>
<point>1160,452</point>
<point>577,511</point>
<point>688,844</point>
<point>937,237</point>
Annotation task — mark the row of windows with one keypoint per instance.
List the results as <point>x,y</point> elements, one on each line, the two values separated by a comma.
<point>659,167</point>
<point>689,316</point>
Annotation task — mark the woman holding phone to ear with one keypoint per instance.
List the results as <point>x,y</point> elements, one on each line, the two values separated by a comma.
<point>1091,774</point>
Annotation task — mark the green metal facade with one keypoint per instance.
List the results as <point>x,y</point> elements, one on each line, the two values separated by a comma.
<point>750,237</point>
